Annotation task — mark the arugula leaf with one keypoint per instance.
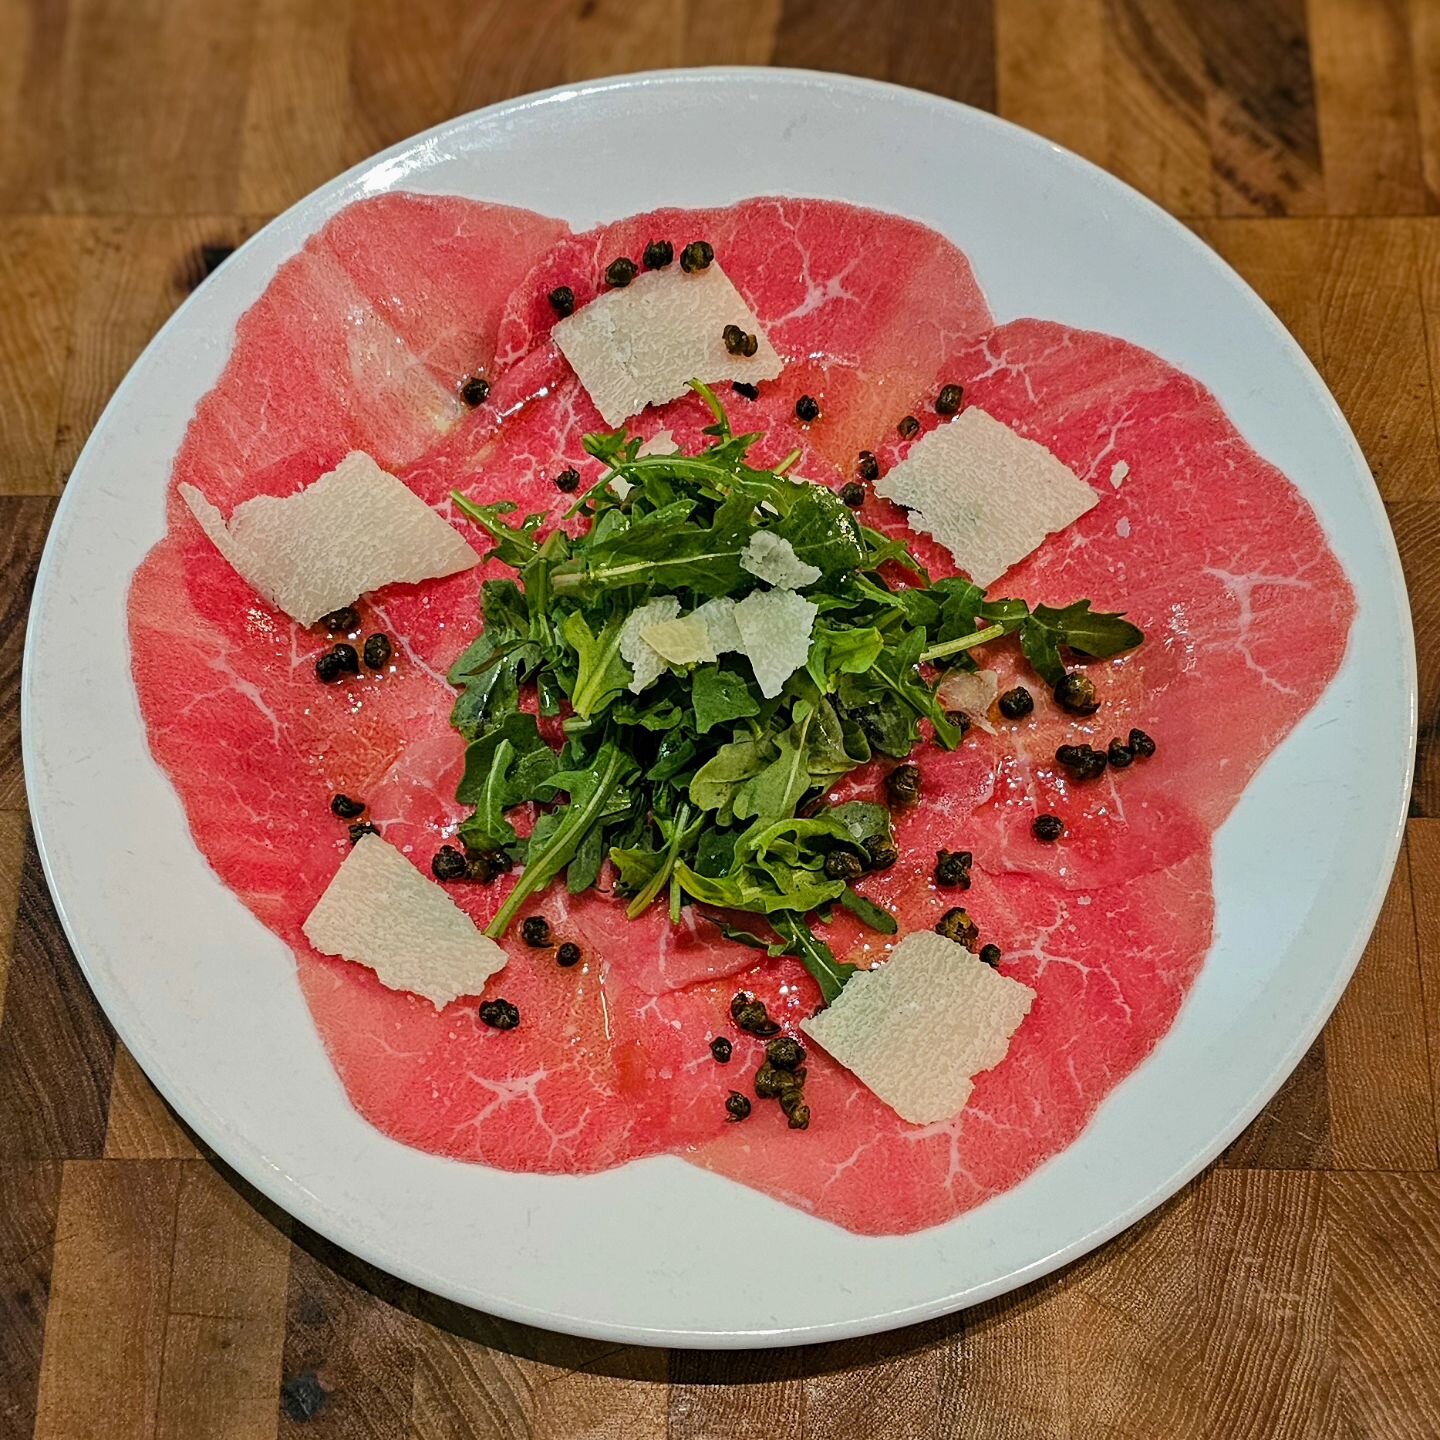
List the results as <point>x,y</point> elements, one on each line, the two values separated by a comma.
<point>714,785</point>
<point>1087,632</point>
<point>817,957</point>
<point>835,652</point>
<point>717,696</point>
<point>822,530</point>
<point>863,821</point>
<point>867,912</point>
<point>603,673</point>
<point>594,793</point>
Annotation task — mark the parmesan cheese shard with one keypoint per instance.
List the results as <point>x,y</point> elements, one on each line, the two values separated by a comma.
<point>662,442</point>
<point>718,617</point>
<point>972,693</point>
<point>772,558</point>
<point>680,642</point>
<point>351,531</point>
<point>917,1030</point>
<point>643,344</point>
<point>774,628</point>
<point>378,910</point>
<point>988,495</point>
<point>645,663</point>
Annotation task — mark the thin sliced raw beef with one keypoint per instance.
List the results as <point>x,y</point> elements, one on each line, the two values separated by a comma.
<point>1205,546</point>
<point>361,341</point>
<point>862,306</point>
<point>1109,968</point>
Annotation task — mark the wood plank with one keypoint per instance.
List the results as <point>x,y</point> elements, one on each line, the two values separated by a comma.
<point>226,1315</point>
<point>1050,62</point>
<point>296,131</point>
<point>24,520</point>
<point>38,265</point>
<point>30,116</point>
<point>1157,135</point>
<point>14,834</point>
<point>105,1333</point>
<point>176,154</point>
<point>1423,839</point>
<point>1003,1374</point>
<point>29,1202</point>
<point>1131,1308</point>
<point>133,274</point>
<point>1385,1249</point>
<point>1348,290</point>
<point>349,1350</point>
<point>736,1394</point>
<point>1427,266</point>
<point>476,1375</point>
<point>55,1046</point>
<point>1382,1114</point>
<point>140,1125</point>
<point>1292,1132</point>
<point>1425,63</point>
<point>611,37</point>
<point>1417,536</point>
<point>741,32</point>
<point>1264,1359</point>
<point>884,1387</point>
<point>1365,89</point>
<point>874,38</point>
<point>1264,136</point>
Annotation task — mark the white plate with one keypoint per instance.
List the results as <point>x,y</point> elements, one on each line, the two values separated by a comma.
<point>206,998</point>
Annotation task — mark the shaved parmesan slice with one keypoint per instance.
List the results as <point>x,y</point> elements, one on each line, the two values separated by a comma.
<point>1118,471</point>
<point>773,559</point>
<point>662,442</point>
<point>378,910</point>
<point>353,530</point>
<point>718,617</point>
<point>643,344</point>
<point>917,1030</point>
<point>988,495</point>
<point>774,628</point>
<point>642,658</point>
<point>680,642</point>
<point>972,693</point>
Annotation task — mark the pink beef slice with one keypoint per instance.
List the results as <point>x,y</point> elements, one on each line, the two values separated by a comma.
<point>256,746</point>
<point>1110,968</point>
<point>863,306</point>
<point>1204,545</point>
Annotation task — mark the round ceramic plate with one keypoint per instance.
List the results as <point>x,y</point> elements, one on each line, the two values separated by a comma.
<point>207,1000</point>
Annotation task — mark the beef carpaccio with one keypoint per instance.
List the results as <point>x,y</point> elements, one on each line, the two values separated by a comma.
<point>362,342</point>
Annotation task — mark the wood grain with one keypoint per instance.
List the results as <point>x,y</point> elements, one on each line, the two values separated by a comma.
<point>1366,95</point>
<point>1381,1108</point>
<point>38,265</point>
<point>1291,1291</point>
<point>105,1331</point>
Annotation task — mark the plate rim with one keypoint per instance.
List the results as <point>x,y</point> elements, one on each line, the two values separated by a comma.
<point>294,1199</point>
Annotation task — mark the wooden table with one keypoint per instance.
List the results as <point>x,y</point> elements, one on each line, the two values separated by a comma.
<point>1290,1291</point>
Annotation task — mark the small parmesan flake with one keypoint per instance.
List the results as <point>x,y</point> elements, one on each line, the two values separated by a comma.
<point>353,530</point>
<point>642,344</point>
<point>918,1029</point>
<point>645,662</point>
<point>774,627</point>
<point>662,442</point>
<point>718,617</point>
<point>988,495</point>
<point>378,910</point>
<point>1118,471</point>
<point>772,558</point>
<point>972,693</point>
<point>680,642</point>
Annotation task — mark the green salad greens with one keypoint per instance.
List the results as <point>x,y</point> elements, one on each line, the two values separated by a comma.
<point>701,788</point>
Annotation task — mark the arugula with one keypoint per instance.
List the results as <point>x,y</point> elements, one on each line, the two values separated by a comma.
<point>700,790</point>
